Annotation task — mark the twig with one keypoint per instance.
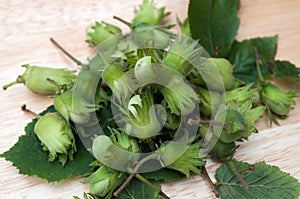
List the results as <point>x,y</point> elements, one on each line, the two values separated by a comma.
<point>205,122</point>
<point>127,181</point>
<point>79,63</point>
<point>9,85</point>
<point>123,21</point>
<point>210,182</point>
<point>23,108</point>
<point>17,81</point>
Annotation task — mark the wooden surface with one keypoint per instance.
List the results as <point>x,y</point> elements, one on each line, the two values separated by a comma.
<point>25,28</point>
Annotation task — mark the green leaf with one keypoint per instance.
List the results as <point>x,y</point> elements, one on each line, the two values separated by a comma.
<point>29,158</point>
<point>214,23</point>
<point>164,174</point>
<point>137,189</point>
<point>242,56</point>
<point>265,181</point>
<point>286,70</point>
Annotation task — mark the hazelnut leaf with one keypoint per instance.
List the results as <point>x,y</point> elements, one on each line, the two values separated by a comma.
<point>215,24</point>
<point>242,56</point>
<point>138,189</point>
<point>264,181</point>
<point>286,70</point>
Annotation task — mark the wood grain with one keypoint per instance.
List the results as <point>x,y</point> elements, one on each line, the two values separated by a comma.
<point>25,29</point>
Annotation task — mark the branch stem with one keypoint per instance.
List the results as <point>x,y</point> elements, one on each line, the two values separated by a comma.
<point>23,108</point>
<point>123,21</point>
<point>79,63</point>
<point>127,181</point>
<point>210,182</point>
<point>9,85</point>
<point>205,122</point>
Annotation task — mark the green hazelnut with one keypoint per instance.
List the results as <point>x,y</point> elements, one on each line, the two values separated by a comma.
<point>104,181</point>
<point>209,101</point>
<point>148,13</point>
<point>56,137</point>
<point>99,32</point>
<point>226,79</point>
<point>43,80</point>
<point>222,151</point>
<point>242,94</point>
<point>145,35</point>
<point>235,125</point>
<point>277,100</point>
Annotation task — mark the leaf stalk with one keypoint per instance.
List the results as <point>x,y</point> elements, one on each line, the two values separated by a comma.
<point>237,174</point>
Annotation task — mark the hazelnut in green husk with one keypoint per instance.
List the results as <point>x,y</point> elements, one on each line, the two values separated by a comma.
<point>209,101</point>
<point>242,94</point>
<point>145,35</point>
<point>104,181</point>
<point>112,75</point>
<point>56,137</point>
<point>148,13</point>
<point>189,162</point>
<point>120,83</point>
<point>179,95</point>
<point>277,100</point>
<point>99,32</point>
<point>43,80</point>
<point>235,125</point>
<point>124,141</point>
<point>76,110</point>
<point>184,26</point>
<point>251,114</point>
<point>144,119</point>
<point>87,86</point>
<point>212,80</point>
<point>183,51</point>
<point>114,151</point>
<point>220,151</point>
<point>238,121</point>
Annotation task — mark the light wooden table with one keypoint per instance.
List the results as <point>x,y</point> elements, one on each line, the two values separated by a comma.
<point>25,28</point>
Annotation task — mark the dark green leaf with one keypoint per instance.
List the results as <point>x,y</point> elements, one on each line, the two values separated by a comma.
<point>265,181</point>
<point>214,23</point>
<point>138,190</point>
<point>286,70</point>
<point>164,174</point>
<point>242,56</point>
<point>27,155</point>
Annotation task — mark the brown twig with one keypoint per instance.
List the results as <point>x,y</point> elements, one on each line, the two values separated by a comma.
<point>210,182</point>
<point>205,122</point>
<point>79,63</point>
<point>123,21</point>
<point>127,181</point>
<point>23,108</point>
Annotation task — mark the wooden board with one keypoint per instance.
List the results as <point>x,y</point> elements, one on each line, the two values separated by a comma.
<point>25,29</point>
